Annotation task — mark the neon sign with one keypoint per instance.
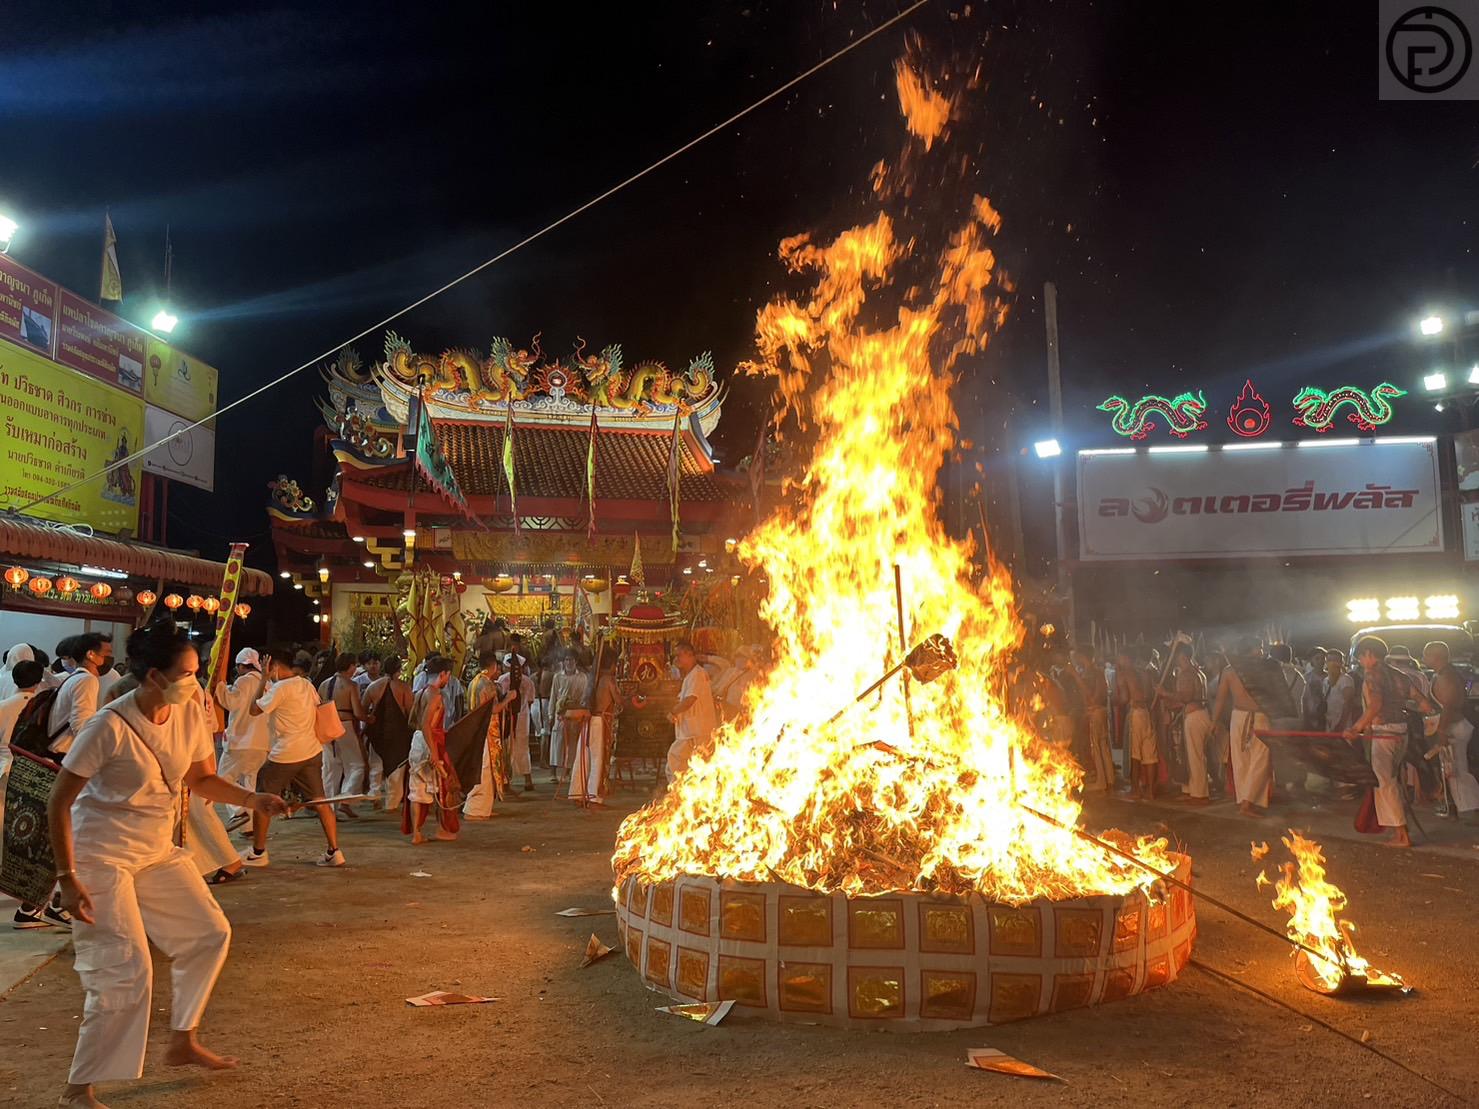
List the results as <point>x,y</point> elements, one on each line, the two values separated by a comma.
<point>1250,415</point>
<point>1317,408</point>
<point>1183,414</point>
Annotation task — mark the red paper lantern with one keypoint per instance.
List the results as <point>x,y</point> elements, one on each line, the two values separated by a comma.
<point>173,601</point>
<point>101,591</point>
<point>67,584</point>
<point>147,598</point>
<point>211,605</point>
<point>17,576</point>
<point>243,610</point>
<point>193,602</point>
<point>40,586</point>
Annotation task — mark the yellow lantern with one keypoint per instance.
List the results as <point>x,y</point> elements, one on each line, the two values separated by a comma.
<point>173,601</point>
<point>500,583</point>
<point>101,591</point>
<point>193,603</point>
<point>211,605</point>
<point>243,610</point>
<point>17,576</point>
<point>40,586</point>
<point>67,584</point>
<point>146,598</point>
<point>593,584</point>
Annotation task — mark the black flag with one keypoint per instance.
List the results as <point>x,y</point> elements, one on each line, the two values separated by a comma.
<point>466,741</point>
<point>390,734</point>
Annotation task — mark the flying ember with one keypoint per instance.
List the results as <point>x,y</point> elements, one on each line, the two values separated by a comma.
<point>920,787</point>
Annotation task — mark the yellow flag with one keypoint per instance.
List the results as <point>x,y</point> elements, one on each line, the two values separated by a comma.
<point>112,280</point>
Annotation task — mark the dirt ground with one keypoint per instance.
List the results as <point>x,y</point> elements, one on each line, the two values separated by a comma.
<point>312,998</point>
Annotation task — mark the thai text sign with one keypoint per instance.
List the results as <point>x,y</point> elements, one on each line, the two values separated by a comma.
<point>1311,499</point>
<point>99,343</point>
<point>27,306</point>
<point>178,383</point>
<point>61,426</point>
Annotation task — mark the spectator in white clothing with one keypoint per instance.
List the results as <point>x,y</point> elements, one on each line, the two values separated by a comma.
<point>693,716</point>
<point>77,699</point>
<point>247,736</point>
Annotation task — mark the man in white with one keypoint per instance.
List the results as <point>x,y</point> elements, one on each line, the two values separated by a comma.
<point>519,760</point>
<point>290,704</point>
<point>247,738</point>
<point>486,687</point>
<point>693,716</point>
<point>589,722</point>
<point>567,690</point>
<point>367,675</point>
<point>111,816</point>
<point>1190,692</point>
<point>77,699</point>
<point>1252,767</point>
<point>1384,693</point>
<point>1454,729</point>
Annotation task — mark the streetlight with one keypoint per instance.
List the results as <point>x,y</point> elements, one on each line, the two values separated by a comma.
<point>8,228</point>
<point>1430,325</point>
<point>1474,374</point>
<point>1047,448</point>
<point>165,321</point>
<point>1436,381</point>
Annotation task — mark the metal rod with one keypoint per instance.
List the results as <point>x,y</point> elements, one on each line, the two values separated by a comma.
<point>903,643</point>
<point>892,670</point>
<point>1187,886</point>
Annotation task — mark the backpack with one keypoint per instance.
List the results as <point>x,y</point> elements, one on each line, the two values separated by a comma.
<point>31,733</point>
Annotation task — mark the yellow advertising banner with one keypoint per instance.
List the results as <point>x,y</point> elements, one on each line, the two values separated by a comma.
<point>179,383</point>
<point>61,426</point>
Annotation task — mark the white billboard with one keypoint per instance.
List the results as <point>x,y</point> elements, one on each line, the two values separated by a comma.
<point>190,457</point>
<point>1311,498</point>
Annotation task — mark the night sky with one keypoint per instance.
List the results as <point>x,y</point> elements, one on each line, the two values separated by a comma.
<point>1217,193</point>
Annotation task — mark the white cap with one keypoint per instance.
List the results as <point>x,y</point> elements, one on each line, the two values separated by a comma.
<point>248,657</point>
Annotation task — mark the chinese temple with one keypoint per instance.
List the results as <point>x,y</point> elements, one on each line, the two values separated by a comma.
<point>513,483</point>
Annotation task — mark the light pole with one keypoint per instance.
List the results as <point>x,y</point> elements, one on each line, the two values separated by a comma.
<point>1055,409</point>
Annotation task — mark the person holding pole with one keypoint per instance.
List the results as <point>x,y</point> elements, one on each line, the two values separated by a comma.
<point>112,816</point>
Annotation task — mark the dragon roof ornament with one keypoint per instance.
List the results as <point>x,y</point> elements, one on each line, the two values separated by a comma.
<point>466,386</point>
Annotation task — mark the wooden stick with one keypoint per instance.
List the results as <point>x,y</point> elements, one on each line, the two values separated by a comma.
<point>903,643</point>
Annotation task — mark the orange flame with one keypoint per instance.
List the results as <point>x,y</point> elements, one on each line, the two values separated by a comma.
<point>925,111</point>
<point>1312,902</point>
<point>871,803</point>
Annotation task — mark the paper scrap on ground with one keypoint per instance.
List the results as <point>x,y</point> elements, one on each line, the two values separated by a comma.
<point>446,997</point>
<point>419,874</point>
<point>989,1058</point>
<point>578,911</point>
<point>705,1012</point>
<point>595,950</point>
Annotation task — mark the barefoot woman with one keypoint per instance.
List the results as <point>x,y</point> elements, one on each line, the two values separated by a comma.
<point>112,814</point>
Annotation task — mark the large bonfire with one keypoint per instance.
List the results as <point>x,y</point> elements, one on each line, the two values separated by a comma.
<point>921,788</point>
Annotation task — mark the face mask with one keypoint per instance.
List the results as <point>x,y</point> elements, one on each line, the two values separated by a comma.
<point>179,691</point>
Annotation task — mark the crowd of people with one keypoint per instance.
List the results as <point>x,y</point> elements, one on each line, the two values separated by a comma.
<point>1255,722</point>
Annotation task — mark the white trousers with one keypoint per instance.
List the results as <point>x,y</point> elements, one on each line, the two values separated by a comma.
<point>239,766</point>
<point>557,744</point>
<point>1252,767</point>
<point>678,756</point>
<point>479,803</point>
<point>345,767</point>
<point>206,838</point>
<point>376,775</point>
<point>588,770</point>
<point>1197,727</point>
<point>1389,810</point>
<point>165,903</point>
<point>518,754</point>
<point>1460,780</point>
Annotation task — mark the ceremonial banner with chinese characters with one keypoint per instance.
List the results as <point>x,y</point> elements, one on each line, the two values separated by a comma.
<point>59,427</point>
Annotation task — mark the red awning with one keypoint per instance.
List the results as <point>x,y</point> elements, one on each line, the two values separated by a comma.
<point>22,538</point>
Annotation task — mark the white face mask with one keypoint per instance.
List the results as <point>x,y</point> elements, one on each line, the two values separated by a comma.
<point>180,691</point>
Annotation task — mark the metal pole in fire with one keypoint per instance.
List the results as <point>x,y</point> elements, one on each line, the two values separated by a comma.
<point>1055,407</point>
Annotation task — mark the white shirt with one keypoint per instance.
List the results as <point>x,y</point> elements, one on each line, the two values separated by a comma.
<point>244,732</point>
<point>697,721</point>
<point>527,693</point>
<point>126,811</point>
<point>76,701</point>
<point>10,711</point>
<point>291,706</point>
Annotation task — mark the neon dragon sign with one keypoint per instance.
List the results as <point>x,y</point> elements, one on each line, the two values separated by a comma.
<point>1317,408</point>
<point>1183,414</point>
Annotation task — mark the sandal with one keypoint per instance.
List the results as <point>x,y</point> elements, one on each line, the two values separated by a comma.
<point>222,876</point>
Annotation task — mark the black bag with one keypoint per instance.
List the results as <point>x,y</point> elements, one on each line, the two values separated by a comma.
<point>30,734</point>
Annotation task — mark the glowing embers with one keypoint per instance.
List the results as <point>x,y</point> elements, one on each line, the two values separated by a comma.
<point>907,961</point>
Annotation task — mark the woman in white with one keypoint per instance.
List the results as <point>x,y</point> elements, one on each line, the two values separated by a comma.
<point>247,738</point>
<point>112,816</point>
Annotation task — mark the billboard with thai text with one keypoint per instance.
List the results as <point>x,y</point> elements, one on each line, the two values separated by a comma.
<point>1314,498</point>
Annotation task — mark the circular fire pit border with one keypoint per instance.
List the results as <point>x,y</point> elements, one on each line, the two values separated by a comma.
<point>901,961</point>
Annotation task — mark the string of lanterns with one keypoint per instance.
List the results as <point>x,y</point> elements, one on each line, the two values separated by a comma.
<point>18,577</point>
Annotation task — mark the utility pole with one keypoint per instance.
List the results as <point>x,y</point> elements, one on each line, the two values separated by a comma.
<point>1055,406</point>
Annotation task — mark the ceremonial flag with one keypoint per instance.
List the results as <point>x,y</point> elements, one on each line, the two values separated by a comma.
<point>112,284</point>
<point>390,734</point>
<point>230,584</point>
<point>590,478</point>
<point>466,741</point>
<point>673,476</point>
<point>508,460</point>
<point>27,866</point>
